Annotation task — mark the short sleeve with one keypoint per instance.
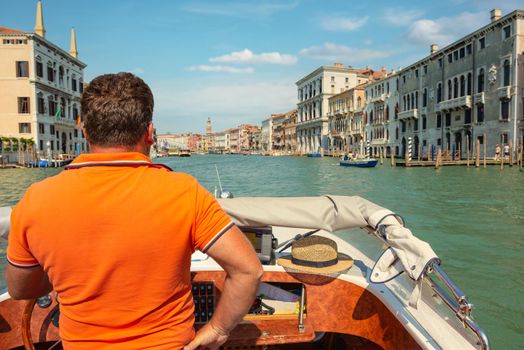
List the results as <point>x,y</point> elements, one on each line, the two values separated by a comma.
<point>18,252</point>
<point>211,221</point>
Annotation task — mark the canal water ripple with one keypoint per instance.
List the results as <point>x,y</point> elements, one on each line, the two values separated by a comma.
<point>473,218</point>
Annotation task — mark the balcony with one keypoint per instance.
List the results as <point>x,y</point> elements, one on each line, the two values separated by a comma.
<point>479,98</point>
<point>412,113</point>
<point>455,103</point>
<point>355,131</point>
<point>379,98</point>
<point>64,121</point>
<point>504,92</point>
<point>379,141</point>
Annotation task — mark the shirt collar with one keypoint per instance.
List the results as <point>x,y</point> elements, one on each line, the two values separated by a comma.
<point>120,158</point>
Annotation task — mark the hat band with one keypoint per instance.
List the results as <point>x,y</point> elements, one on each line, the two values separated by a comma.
<point>310,263</point>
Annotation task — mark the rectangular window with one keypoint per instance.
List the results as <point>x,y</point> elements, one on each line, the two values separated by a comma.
<point>450,58</point>
<point>448,119</point>
<point>404,79</point>
<point>23,105</point>
<point>482,43</point>
<point>50,74</point>
<point>504,109</point>
<point>347,80</point>
<point>425,69</point>
<point>41,128</point>
<point>455,55</point>
<point>52,108</point>
<point>480,113</point>
<point>504,138</point>
<point>332,79</point>
<point>424,123</point>
<point>462,52</point>
<point>467,116</point>
<point>415,125</point>
<point>468,49</point>
<point>41,105</point>
<point>52,129</point>
<point>416,73</point>
<point>73,85</point>
<point>506,32</point>
<point>439,142</point>
<point>481,139</point>
<point>22,69</point>
<point>39,69</point>
<point>41,144</point>
<point>76,132</point>
<point>440,62</point>
<point>24,128</point>
<point>81,87</point>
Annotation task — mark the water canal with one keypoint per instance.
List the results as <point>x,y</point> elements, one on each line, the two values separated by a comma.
<point>473,218</point>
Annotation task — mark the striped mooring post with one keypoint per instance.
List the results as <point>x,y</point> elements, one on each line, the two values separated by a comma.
<point>409,148</point>
<point>367,149</point>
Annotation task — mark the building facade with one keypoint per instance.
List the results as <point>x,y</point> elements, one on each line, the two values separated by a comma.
<point>470,90</point>
<point>41,88</point>
<point>290,131</point>
<point>314,91</point>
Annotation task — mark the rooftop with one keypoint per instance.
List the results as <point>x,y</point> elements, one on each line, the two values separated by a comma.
<point>5,30</point>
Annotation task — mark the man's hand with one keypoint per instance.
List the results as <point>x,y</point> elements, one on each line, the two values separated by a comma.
<point>208,337</point>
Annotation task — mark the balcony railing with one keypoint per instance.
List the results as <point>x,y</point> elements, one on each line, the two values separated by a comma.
<point>504,92</point>
<point>379,98</point>
<point>479,98</point>
<point>456,103</point>
<point>64,121</point>
<point>379,141</point>
<point>412,113</point>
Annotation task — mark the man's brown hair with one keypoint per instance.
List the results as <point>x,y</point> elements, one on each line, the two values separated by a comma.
<point>116,109</point>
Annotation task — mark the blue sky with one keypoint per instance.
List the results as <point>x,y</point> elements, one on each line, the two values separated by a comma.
<point>237,61</point>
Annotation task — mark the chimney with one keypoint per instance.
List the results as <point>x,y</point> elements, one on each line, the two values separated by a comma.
<point>495,15</point>
<point>433,48</point>
<point>339,65</point>
<point>39,25</point>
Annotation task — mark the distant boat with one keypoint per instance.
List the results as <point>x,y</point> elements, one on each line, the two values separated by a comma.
<point>50,163</point>
<point>184,153</point>
<point>314,155</point>
<point>359,163</point>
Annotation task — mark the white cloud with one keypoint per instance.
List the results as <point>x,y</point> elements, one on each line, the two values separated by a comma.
<point>224,69</point>
<point>444,30</point>
<point>340,53</point>
<point>247,56</point>
<point>401,17</point>
<point>242,9</point>
<point>337,23</point>
<point>229,104</point>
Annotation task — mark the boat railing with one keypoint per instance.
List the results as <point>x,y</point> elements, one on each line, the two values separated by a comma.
<point>452,296</point>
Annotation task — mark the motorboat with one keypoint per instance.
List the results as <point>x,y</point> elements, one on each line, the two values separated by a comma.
<point>395,294</point>
<point>358,162</point>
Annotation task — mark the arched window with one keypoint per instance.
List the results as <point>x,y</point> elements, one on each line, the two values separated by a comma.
<point>480,81</point>
<point>506,73</point>
<point>404,103</point>
<point>409,104</point>
<point>387,113</point>
<point>396,133</point>
<point>455,88</point>
<point>469,84</point>
<point>359,102</point>
<point>439,92</point>
<point>416,100</point>
<point>462,85</point>
<point>371,117</point>
<point>52,105</point>
<point>424,97</point>
<point>449,90</point>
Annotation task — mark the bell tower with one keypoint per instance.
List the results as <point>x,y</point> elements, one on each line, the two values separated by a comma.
<point>72,50</point>
<point>208,126</point>
<point>39,25</point>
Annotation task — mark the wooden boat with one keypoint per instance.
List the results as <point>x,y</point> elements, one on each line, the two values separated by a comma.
<point>397,298</point>
<point>359,163</point>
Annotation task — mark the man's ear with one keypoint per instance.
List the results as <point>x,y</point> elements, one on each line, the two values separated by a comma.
<point>149,136</point>
<point>85,134</point>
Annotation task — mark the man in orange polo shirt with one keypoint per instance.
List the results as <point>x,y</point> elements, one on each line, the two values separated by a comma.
<point>114,233</point>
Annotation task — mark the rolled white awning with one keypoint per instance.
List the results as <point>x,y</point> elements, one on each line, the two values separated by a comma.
<point>334,213</point>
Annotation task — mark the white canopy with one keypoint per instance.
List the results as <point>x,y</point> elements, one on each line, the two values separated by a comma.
<point>333,213</point>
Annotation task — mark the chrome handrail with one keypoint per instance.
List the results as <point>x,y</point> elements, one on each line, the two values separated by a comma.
<point>455,299</point>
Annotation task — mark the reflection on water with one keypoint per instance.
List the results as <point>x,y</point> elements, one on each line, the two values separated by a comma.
<point>473,218</point>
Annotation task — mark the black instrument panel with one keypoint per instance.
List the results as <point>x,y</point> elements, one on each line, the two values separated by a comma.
<point>204,299</point>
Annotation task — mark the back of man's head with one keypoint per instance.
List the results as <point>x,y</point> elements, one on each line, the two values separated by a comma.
<point>116,110</point>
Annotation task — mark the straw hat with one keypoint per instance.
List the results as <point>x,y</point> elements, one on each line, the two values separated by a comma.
<point>316,254</point>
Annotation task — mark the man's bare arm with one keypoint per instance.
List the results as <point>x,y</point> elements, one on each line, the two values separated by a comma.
<point>236,256</point>
<point>27,282</point>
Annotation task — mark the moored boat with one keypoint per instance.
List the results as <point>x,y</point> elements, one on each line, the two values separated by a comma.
<point>359,163</point>
<point>397,298</point>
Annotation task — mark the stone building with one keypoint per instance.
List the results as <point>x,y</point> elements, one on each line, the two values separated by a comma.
<point>41,87</point>
<point>380,114</point>
<point>314,90</point>
<point>469,90</point>
<point>290,131</point>
<point>346,124</point>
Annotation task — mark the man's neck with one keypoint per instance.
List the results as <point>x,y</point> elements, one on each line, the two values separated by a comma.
<point>137,148</point>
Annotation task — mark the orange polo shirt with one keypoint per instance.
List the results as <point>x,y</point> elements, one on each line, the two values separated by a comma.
<point>115,234</point>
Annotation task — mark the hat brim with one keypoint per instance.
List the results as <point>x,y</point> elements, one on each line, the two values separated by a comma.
<point>345,262</point>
